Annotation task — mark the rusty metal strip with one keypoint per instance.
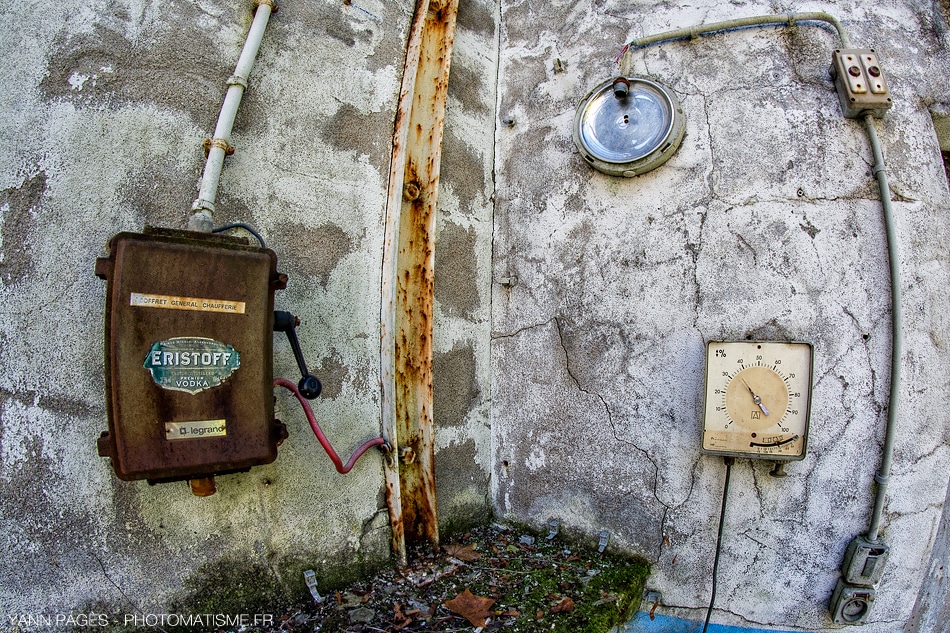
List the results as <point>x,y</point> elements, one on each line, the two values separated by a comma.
<point>407,281</point>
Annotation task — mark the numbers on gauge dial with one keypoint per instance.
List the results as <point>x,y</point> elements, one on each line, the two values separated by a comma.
<point>756,397</point>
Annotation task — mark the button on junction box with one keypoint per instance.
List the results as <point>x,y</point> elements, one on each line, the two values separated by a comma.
<point>860,82</point>
<point>189,355</point>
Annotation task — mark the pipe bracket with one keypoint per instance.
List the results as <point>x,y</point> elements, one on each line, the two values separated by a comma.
<point>237,80</point>
<point>219,143</point>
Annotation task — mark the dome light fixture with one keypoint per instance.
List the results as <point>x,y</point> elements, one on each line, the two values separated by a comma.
<point>628,126</point>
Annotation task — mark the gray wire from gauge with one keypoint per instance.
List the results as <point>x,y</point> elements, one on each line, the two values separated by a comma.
<point>722,519</point>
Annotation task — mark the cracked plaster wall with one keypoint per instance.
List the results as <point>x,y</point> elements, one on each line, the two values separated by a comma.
<point>105,105</point>
<point>765,224</point>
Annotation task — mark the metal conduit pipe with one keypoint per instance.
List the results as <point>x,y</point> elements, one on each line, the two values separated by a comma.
<point>897,337</point>
<point>220,144</point>
<point>789,19</point>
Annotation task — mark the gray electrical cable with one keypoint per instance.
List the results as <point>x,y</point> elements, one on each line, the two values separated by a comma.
<point>789,19</point>
<point>897,337</point>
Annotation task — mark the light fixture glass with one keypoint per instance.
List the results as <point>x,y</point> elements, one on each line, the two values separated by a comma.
<point>628,126</point>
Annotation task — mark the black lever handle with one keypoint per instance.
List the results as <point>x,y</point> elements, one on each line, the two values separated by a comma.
<point>309,386</point>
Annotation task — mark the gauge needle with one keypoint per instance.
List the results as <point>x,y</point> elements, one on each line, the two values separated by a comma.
<point>756,399</point>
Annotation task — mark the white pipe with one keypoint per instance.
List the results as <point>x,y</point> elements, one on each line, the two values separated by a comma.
<point>220,144</point>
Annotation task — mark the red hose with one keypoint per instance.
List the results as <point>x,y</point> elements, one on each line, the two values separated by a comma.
<point>340,466</point>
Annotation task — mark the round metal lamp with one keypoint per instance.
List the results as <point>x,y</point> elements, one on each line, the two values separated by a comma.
<point>628,126</point>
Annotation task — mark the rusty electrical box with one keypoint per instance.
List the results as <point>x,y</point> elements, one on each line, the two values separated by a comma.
<point>189,356</point>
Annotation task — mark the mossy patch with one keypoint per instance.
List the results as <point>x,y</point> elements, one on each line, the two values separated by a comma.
<point>532,583</point>
<point>232,586</point>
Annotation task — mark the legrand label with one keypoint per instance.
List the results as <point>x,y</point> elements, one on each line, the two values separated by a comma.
<point>191,363</point>
<point>186,303</point>
<point>196,429</point>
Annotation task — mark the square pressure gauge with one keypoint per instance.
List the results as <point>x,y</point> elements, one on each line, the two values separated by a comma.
<point>757,399</point>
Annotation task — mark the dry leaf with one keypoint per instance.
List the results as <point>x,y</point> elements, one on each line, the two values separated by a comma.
<point>400,620</point>
<point>471,607</point>
<point>465,553</point>
<point>564,606</point>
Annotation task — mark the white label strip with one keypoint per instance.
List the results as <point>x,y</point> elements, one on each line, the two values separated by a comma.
<point>169,302</point>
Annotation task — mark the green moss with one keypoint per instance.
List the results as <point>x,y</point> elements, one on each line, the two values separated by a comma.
<point>560,585</point>
<point>606,588</point>
<point>602,590</point>
<point>233,586</point>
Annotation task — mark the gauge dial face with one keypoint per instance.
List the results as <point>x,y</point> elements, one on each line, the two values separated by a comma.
<point>757,401</point>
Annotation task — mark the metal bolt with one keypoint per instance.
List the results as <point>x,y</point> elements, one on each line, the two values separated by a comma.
<point>411,191</point>
<point>406,454</point>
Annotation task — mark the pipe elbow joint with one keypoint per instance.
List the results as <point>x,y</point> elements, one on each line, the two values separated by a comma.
<point>201,221</point>
<point>621,87</point>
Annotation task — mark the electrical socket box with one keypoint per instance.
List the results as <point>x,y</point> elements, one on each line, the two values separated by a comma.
<point>850,604</point>
<point>189,356</point>
<point>860,82</point>
<point>864,562</point>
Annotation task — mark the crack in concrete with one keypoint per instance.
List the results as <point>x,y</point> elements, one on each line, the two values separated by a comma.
<point>890,515</point>
<point>668,508</point>
<point>695,251</point>
<point>131,602</point>
<point>616,434</point>
<point>751,249</point>
<point>717,609</point>
<point>895,471</point>
<point>497,336</point>
<point>758,493</point>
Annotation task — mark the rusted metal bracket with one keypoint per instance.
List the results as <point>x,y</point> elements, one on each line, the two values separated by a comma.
<point>407,281</point>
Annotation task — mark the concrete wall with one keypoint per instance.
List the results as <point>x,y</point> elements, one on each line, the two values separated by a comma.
<point>766,224</point>
<point>574,393</point>
<point>461,365</point>
<point>104,109</point>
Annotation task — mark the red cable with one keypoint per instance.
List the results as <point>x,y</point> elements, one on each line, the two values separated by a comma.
<point>340,466</point>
